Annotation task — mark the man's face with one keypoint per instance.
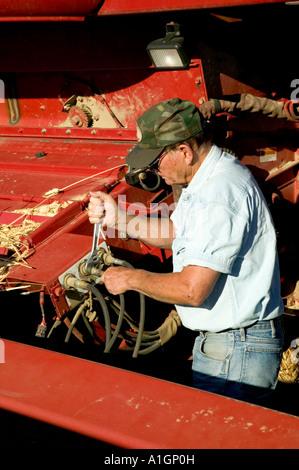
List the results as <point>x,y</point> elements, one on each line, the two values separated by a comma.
<point>173,168</point>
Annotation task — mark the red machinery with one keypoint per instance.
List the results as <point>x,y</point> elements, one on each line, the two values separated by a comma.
<point>75,76</point>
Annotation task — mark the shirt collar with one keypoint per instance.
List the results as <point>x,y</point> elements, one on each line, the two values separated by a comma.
<point>205,170</point>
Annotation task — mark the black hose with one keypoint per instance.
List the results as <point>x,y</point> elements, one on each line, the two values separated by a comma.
<point>150,339</point>
<point>141,326</point>
<point>89,328</point>
<point>110,340</point>
<point>151,188</point>
<point>105,310</point>
<point>147,348</point>
<point>73,323</point>
<point>118,325</point>
<point>150,349</point>
<point>142,309</point>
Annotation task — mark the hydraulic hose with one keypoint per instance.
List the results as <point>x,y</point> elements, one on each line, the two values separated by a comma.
<point>105,310</point>
<point>124,263</point>
<point>151,340</point>
<point>141,326</point>
<point>145,341</point>
<point>74,321</point>
<point>150,349</point>
<point>118,325</point>
<point>72,281</point>
<point>142,179</point>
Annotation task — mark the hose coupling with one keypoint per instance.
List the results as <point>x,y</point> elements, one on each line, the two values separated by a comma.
<point>71,281</point>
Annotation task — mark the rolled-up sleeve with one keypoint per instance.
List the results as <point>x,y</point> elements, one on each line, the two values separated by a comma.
<point>213,237</point>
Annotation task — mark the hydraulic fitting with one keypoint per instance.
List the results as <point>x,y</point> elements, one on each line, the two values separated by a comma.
<point>84,271</point>
<point>71,281</point>
<point>107,258</point>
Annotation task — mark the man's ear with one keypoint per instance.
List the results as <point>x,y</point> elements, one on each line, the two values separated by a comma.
<point>188,153</point>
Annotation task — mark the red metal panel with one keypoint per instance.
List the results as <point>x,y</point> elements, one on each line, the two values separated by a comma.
<point>40,18</point>
<point>72,155</point>
<point>61,240</point>
<point>24,174</point>
<point>128,93</point>
<point>113,7</point>
<point>47,7</point>
<point>130,410</point>
<point>69,10</point>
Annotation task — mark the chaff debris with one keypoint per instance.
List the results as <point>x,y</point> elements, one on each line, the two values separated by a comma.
<point>11,238</point>
<point>48,210</point>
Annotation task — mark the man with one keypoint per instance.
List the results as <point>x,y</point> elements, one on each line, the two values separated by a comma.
<point>225,281</point>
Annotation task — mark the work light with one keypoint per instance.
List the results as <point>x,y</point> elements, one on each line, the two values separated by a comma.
<point>168,52</point>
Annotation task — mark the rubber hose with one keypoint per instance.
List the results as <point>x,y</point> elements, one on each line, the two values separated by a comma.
<point>105,310</point>
<point>142,309</point>
<point>150,348</point>
<point>149,188</point>
<point>73,322</point>
<point>151,340</point>
<point>141,326</point>
<point>147,348</point>
<point>118,325</point>
<point>88,327</point>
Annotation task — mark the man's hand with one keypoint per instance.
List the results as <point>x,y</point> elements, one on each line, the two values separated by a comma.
<point>116,279</point>
<point>209,108</point>
<point>102,207</point>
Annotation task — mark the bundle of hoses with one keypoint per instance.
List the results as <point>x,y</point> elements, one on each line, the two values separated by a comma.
<point>109,338</point>
<point>144,341</point>
<point>149,340</point>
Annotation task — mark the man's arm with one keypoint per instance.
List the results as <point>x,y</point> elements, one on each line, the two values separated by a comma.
<point>158,232</point>
<point>245,102</point>
<point>190,287</point>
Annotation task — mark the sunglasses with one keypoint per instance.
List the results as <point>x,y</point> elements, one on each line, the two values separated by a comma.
<point>156,163</point>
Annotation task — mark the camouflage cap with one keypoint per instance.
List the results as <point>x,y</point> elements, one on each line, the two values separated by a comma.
<point>166,123</point>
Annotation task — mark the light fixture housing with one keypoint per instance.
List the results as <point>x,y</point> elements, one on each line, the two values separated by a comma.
<point>168,52</point>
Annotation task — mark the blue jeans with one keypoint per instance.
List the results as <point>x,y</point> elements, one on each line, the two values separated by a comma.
<point>241,364</point>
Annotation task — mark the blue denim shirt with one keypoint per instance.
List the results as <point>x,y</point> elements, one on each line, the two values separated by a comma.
<point>222,222</point>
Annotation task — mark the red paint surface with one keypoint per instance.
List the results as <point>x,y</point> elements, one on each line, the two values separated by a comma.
<point>47,8</point>
<point>111,7</point>
<point>130,410</point>
<point>53,9</point>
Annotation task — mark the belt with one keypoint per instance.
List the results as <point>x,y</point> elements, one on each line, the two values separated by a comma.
<point>275,322</point>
